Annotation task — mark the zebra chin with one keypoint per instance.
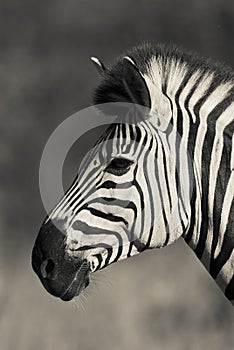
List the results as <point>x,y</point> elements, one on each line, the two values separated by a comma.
<point>62,276</point>
<point>79,283</point>
<point>67,292</point>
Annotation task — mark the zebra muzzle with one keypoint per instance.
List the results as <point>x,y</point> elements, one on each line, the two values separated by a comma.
<point>61,275</point>
<point>79,283</point>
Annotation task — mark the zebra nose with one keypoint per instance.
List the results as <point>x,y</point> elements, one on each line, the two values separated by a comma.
<point>51,263</point>
<point>48,269</point>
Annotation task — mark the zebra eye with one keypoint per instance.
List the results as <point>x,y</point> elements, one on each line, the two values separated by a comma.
<point>119,166</point>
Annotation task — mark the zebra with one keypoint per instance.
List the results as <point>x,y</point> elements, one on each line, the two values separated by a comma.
<point>177,159</point>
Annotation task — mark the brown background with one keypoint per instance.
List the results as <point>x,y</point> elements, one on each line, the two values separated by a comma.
<point>159,300</point>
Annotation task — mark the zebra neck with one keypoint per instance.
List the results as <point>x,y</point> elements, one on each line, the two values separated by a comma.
<point>201,112</point>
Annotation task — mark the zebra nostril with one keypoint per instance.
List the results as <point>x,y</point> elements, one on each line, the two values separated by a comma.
<point>47,267</point>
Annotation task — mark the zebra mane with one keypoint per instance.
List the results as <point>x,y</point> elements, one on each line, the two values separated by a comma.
<point>111,87</point>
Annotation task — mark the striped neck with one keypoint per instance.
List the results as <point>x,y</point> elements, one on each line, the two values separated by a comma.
<point>202,110</point>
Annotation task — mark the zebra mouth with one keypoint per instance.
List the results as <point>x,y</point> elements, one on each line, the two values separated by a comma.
<point>78,284</point>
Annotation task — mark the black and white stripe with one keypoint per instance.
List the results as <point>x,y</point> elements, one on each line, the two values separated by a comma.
<point>180,179</point>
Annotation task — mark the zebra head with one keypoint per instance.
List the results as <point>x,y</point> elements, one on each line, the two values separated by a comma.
<point>121,195</point>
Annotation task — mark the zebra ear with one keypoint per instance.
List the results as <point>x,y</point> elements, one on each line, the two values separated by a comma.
<point>99,65</point>
<point>123,83</point>
<point>135,84</point>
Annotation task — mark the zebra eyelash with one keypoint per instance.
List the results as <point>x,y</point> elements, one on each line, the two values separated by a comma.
<point>119,166</point>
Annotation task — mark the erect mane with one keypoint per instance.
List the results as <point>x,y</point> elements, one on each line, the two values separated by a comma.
<point>111,87</point>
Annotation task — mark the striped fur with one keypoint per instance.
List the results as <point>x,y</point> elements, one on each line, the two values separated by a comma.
<point>181,181</point>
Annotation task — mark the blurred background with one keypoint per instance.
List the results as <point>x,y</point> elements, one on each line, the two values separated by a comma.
<point>162,299</point>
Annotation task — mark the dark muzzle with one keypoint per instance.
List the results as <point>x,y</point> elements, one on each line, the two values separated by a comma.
<point>62,276</point>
